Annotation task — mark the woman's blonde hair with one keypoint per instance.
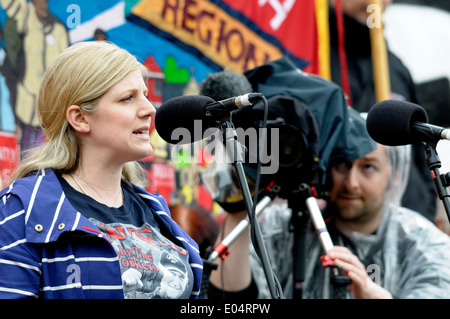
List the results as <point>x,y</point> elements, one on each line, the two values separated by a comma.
<point>80,75</point>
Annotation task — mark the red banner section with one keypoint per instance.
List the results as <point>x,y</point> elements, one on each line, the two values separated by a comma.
<point>292,22</point>
<point>9,156</point>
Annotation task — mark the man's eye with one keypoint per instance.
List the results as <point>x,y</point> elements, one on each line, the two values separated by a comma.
<point>369,168</point>
<point>343,167</point>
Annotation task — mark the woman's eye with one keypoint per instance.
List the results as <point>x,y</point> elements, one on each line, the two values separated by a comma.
<point>128,98</point>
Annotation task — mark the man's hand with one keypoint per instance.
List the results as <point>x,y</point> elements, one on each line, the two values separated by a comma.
<point>362,286</point>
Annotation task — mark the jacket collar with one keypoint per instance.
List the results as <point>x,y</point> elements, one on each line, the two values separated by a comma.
<point>48,212</point>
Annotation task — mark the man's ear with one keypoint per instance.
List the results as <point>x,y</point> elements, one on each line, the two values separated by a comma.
<point>76,118</point>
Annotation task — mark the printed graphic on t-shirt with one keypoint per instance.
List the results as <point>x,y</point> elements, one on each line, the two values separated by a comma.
<point>152,266</point>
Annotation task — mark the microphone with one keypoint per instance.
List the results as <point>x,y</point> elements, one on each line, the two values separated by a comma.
<point>193,112</point>
<point>234,103</point>
<point>394,123</point>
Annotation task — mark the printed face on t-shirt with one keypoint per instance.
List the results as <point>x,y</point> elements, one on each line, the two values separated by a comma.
<point>152,266</point>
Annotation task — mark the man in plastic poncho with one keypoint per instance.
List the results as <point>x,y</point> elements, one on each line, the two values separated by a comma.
<point>386,250</point>
<point>405,254</point>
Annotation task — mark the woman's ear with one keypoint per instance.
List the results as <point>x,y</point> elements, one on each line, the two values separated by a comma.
<point>76,118</point>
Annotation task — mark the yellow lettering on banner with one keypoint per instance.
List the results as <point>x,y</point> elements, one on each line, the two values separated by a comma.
<point>201,24</point>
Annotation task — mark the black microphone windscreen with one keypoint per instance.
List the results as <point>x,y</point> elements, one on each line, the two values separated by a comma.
<point>181,112</point>
<point>390,122</point>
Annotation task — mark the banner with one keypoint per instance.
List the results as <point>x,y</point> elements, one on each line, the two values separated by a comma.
<point>9,157</point>
<point>238,39</point>
<point>291,22</point>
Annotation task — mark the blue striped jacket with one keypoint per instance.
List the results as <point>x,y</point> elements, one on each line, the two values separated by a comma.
<point>49,250</point>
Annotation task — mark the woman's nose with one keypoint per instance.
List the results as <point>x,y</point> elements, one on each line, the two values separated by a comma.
<point>147,109</point>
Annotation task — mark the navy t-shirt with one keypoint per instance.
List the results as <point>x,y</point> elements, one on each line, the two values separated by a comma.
<point>152,262</point>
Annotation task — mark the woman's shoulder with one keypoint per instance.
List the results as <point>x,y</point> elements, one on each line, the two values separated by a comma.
<point>31,181</point>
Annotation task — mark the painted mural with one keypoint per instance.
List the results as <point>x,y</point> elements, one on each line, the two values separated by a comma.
<point>179,41</point>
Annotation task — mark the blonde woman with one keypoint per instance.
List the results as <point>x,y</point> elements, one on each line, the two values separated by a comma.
<point>76,222</point>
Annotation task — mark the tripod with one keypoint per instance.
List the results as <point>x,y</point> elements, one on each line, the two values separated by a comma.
<point>304,207</point>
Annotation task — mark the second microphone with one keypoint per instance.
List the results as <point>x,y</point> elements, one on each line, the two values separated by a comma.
<point>187,111</point>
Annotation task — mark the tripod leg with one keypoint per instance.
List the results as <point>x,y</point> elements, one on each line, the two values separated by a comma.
<point>339,283</point>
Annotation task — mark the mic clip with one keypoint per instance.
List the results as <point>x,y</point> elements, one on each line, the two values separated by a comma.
<point>234,103</point>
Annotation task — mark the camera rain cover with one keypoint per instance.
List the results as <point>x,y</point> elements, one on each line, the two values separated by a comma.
<point>310,108</point>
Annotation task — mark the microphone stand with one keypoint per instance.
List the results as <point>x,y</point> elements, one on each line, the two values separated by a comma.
<point>232,144</point>
<point>441,181</point>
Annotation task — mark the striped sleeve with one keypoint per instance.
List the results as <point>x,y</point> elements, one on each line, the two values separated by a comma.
<point>20,269</point>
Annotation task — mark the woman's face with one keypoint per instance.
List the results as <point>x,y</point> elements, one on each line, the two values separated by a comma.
<point>119,129</point>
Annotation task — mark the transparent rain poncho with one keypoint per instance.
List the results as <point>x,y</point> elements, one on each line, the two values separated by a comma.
<point>407,255</point>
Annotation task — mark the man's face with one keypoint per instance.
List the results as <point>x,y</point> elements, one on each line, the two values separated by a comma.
<point>359,187</point>
<point>41,8</point>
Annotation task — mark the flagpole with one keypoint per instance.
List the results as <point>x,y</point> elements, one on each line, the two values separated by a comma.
<point>323,35</point>
<point>379,52</point>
